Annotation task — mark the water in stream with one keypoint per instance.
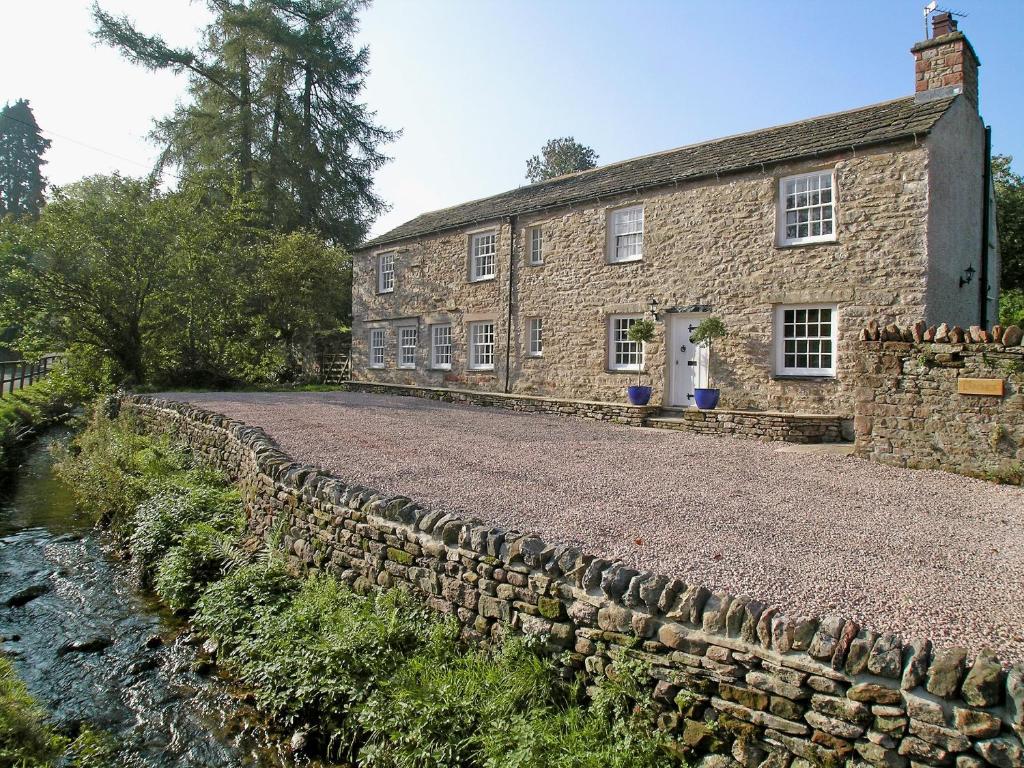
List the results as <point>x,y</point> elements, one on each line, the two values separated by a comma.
<point>83,639</point>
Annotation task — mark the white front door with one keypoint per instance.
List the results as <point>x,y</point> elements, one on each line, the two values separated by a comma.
<point>687,362</point>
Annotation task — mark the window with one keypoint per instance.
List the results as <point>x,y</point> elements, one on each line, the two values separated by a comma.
<point>536,246</point>
<point>806,208</point>
<point>441,347</point>
<point>535,329</point>
<point>806,340</point>
<point>483,250</point>
<point>377,348</point>
<point>386,273</point>
<point>481,346</point>
<point>626,234</point>
<point>407,336</point>
<point>623,354</point>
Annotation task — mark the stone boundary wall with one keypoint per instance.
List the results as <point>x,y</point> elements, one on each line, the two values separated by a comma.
<point>732,673</point>
<point>767,425</point>
<point>909,410</point>
<point>619,413</point>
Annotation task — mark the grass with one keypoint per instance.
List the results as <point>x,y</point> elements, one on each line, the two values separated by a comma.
<point>375,679</point>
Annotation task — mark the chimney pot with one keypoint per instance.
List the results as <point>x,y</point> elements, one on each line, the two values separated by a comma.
<point>943,24</point>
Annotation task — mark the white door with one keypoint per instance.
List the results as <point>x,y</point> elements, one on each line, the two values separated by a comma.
<point>687,362</point>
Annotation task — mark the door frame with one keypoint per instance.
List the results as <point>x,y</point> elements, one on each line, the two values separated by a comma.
<point>673,319</point>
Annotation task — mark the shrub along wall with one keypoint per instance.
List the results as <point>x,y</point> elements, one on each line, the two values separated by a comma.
<point>785,688</point>
<point>917,402</point>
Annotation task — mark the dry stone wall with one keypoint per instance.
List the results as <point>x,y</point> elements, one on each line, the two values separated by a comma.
<point>734,675</point>
<point>910,410</point>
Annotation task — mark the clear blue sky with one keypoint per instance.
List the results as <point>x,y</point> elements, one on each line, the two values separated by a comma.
<point>479,85</point>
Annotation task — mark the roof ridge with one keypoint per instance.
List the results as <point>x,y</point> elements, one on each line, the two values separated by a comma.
<point>548,184</point>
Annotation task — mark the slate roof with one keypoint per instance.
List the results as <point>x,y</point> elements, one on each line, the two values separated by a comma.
<point>875,124</point>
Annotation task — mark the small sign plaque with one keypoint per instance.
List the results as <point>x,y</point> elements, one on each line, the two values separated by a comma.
<point>992,387</point>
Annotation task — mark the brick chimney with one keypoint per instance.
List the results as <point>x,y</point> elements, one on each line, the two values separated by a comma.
<point>945,63</point>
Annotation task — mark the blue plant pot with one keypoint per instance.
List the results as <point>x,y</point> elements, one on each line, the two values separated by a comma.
<point>639,395</point>
<point>706,399</point>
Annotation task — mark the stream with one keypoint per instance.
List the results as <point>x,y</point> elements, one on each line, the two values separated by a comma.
<point>92,649</point>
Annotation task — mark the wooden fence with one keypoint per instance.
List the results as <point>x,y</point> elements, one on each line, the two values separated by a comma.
<point>18,374</point>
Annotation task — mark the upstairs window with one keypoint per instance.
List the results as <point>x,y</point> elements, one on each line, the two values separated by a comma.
<point>623,354</point>
<point>377,348</point>
<point>386,273</point>
<point>536,246</point>
<point>481,346</point>
<point>807,208</point>
<point>441,347</point>
<point>535,329</point>
<point>626,234</point>
<point>805,340</point>
<point>407,336</point>
<point>483,251</point>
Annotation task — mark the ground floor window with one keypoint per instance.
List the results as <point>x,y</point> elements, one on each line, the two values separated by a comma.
<point>805,340</point>
<point>377,348</point>
<point>481,346</point>
<point>623,354</point>
<point>535,329</point>
<point>407,336</point>
<point>441,346</point>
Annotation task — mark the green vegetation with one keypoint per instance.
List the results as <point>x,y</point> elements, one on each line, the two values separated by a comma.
<point>373,679</point>
<point>708,331</point>
<point>28,741</point>
<point>641,332</point>
<point>29,410</point>
<point>179,288</point>
<point>558,157</point>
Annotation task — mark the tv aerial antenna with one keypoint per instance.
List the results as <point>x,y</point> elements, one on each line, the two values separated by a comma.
<point>931,8</point>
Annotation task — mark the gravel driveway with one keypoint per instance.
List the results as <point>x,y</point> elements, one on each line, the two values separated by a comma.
<point>920,552</point>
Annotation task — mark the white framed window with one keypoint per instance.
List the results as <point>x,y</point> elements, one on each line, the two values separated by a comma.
<point>385,273</point>
<point>536,246</point>
<point>377,347</point>
<point>807,211</point>
<point>407,337</point>
<point>535,340</point>
<point>481,346</point>
<point>805,340</point>
<point>626,234</point>
<point>441,346</point>
<point>483,256</point>
<point>623,354</point>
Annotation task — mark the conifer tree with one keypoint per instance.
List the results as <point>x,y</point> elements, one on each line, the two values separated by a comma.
<point>22,147</point>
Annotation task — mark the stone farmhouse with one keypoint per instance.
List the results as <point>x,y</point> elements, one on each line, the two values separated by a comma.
<point>794,236</point>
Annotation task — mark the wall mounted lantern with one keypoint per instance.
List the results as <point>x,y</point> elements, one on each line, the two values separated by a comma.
<point>652,307</point>
<point>968,276</point>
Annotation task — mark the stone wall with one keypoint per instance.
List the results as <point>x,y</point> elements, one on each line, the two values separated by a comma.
<point>619,413</point>
<point>909,409</point>
<point>767,425</point>
<point>732,673</point>
<point>705,243</point>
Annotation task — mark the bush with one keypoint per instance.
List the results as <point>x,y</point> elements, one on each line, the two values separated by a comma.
<point>191,565</point>
<point>1011,307</point>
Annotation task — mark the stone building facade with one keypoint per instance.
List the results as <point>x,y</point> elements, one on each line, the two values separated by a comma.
<point>794,236</point>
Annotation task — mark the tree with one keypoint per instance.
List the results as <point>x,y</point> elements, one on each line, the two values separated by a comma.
<point>22,147</point>
<point>87,272</point>
<point>559,157</point>
<point>1009,187</point>
<point>182,288</point>
<point>274,87</point>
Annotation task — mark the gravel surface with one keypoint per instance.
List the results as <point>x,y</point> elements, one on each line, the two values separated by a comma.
<point>919,552</point>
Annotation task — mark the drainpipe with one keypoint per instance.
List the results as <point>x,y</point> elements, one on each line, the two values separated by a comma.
<point>986,214</point>
<point>508,319</point>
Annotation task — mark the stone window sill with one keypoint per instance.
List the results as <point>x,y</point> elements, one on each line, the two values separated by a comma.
<point>813,379</point>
